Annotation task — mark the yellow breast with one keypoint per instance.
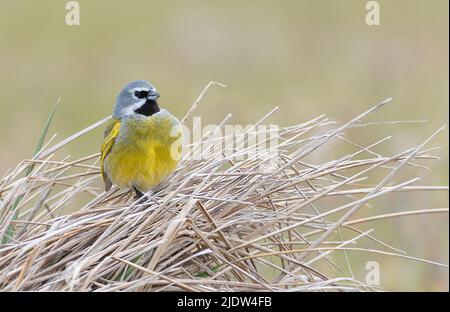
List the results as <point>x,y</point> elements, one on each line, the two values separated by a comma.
<point>145,152</point>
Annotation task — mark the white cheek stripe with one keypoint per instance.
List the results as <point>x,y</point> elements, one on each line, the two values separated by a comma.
<point>130,109</point>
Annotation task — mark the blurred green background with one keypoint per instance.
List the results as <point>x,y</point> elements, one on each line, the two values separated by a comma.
<point>309,57</point>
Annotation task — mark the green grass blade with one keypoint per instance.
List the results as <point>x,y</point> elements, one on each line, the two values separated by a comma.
<point>10,231</point>
<point>206,274</point>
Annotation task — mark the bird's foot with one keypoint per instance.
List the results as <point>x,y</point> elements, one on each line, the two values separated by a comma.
<point>140,196</point>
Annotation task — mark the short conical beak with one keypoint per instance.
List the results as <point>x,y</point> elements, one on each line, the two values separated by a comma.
<point>153,95</point>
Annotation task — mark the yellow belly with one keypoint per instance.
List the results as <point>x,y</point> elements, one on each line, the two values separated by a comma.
<point>143,158</point>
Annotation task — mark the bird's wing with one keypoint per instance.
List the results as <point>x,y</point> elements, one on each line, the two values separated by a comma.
<point>111,132</point>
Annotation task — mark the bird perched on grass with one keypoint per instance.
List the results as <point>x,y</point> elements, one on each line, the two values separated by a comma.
<point>142,144</point>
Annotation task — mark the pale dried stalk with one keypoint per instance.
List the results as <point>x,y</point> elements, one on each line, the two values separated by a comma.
<point>223,223</point>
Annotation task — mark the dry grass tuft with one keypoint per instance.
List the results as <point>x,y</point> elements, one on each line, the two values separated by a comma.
<point>217,224</point>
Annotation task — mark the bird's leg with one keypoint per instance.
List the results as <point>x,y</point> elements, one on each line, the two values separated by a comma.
<point>140,195</point>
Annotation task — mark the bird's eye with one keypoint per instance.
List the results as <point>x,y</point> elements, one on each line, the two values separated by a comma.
<point>141,94</point>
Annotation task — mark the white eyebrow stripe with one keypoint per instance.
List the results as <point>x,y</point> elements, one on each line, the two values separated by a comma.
<point>138,89</point>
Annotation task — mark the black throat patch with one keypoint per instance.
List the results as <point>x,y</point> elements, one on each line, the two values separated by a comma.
<point>149,108</point>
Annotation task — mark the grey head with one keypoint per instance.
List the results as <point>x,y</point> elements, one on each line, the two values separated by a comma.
<point>137,98</point>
